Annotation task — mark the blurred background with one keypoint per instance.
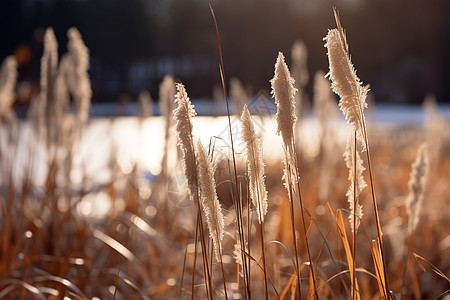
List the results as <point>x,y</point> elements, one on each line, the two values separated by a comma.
<point>399,47</point>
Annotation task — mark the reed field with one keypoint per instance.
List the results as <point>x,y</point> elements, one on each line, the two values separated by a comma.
<point>273,205</point>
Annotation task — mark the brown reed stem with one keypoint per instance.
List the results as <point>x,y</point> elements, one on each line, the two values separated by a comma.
<point>303,218</point>
<point>237,201</point>
<point>294,237</point>
<point>248,234</point>
<point>405,267</point>
<point>263,248</point>
<point>354,222</point>
<point>223,274</point>
<point>205,253</point>
<point>307,243</point>
<point>377,218</point>
<point>195,258</point>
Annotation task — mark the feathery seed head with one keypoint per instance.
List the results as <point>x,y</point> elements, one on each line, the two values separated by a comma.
<point>79,81</point>
<point>166,96</point>
<point>360,184</point>
<point>324,105</point>
<point>345,83</point>
<point>417,182</point>
<point>238,94</point>
<point>8,77</point>
<point>255,165</point>
<point>49,63</point>
<point>183,127</point>
<point>284,92</point>
<point>145,104</point>
<point>208,199</point>
<point>299,55</point>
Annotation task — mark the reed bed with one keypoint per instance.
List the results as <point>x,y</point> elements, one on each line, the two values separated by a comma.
<point>240,227</point>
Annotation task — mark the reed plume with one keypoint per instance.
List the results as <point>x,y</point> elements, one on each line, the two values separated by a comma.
<point>80,85</point>
<point>166,97</point>
<point>8,77</point>
<point>299,57</point>
<point>255,165</point>
<point>238,95</point>
<point>284,92</point>
<point>218,100</point>
<point>62,100</point>
<point>145,105</point>
<point>357,184</point>
<point>49,63</point>
<point>417,183</point>
<point>326,112</point>
<point>324,105</point>
<point>208,199</point>
<point>345,83</point>
<point>183,127</point>
<point>353,94</point>
<point>166,105</point>
<point>434,126</point>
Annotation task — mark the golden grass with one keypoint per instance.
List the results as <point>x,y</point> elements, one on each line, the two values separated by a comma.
<point>154,248</point>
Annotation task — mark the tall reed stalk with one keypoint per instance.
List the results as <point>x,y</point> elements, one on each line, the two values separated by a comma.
<point>417,183</point>
<point>210,205</point>
<point>284,92</point>
<point>183,114</point>
<point>352,102</point>
<point>236,195</point>
<point>258,192</point>
<point>357,184</point>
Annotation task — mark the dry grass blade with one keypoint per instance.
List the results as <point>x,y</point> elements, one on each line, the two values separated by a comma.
<point>377,260</point>
<point>293,288</point>
<point>262,269</point>
<point>433,267</point>
<point>122,250</point>
<point>141,224</point>
<point>127,280</point>
<point>14,283</point>
<point>67,283</point>
<point>341,30</point>
<point>292,281</point>
<point>116,284</point>
<point>312,291</point>
<point>338,219</point>
<point>360,270</point>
